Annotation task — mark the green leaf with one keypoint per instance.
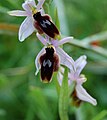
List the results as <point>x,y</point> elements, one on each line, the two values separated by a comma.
<point>101,115</point>
<point>14,3</point>
<point>96,37</point>
<point>56,82</point>
<point>3,9</point>
<point>57,22</point>
<point>96,49</point>
<point>39,104</point>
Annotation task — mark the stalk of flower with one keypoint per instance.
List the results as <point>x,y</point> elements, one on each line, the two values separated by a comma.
<point>35,18</point>
<point>51,56</point>
<point>79,94</point>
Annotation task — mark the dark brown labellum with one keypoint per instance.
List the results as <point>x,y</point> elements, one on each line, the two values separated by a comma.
<point>44,24</point>
<point>76,102</point>
<point>49,64</point>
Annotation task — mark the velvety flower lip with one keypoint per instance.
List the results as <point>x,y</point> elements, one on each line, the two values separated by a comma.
<point>27,27</point>
<point>75,76</point>
<point>65,59</point>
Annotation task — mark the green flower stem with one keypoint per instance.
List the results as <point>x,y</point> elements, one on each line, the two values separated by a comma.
<point>101,115</point>
<point>56,83</point>
<point>63,97</point>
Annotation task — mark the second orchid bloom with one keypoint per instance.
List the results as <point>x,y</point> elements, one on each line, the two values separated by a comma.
<point>79,94</point>
<point>51,56</point>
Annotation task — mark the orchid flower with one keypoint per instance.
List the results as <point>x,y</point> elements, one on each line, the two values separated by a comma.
<point>74,76</point>
<point>64,58</point>
<point>27,27</point>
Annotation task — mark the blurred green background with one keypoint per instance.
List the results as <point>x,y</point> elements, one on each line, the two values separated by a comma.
<point>22,95</point>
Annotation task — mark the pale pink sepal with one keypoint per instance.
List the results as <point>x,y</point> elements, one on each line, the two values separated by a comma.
<point>65,59</point>
<point>80,64</point>
<point>28,4</point>
<point>84,96</point>
<point>26,29</point>
<point>37,63</point>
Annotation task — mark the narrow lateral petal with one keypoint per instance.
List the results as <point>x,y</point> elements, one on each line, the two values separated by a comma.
<point>37,64</point>
<point>65,59</point>
<point>18,13</point>
<point>64,40</point>
<point>42,39</point>
<point>40,3</point>
<point>84,96</point>
<point>26,29</point>
<point>80,64</point>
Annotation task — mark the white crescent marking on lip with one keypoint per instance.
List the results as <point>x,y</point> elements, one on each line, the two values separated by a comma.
<point>48,62</point>
<point>43,23</point>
